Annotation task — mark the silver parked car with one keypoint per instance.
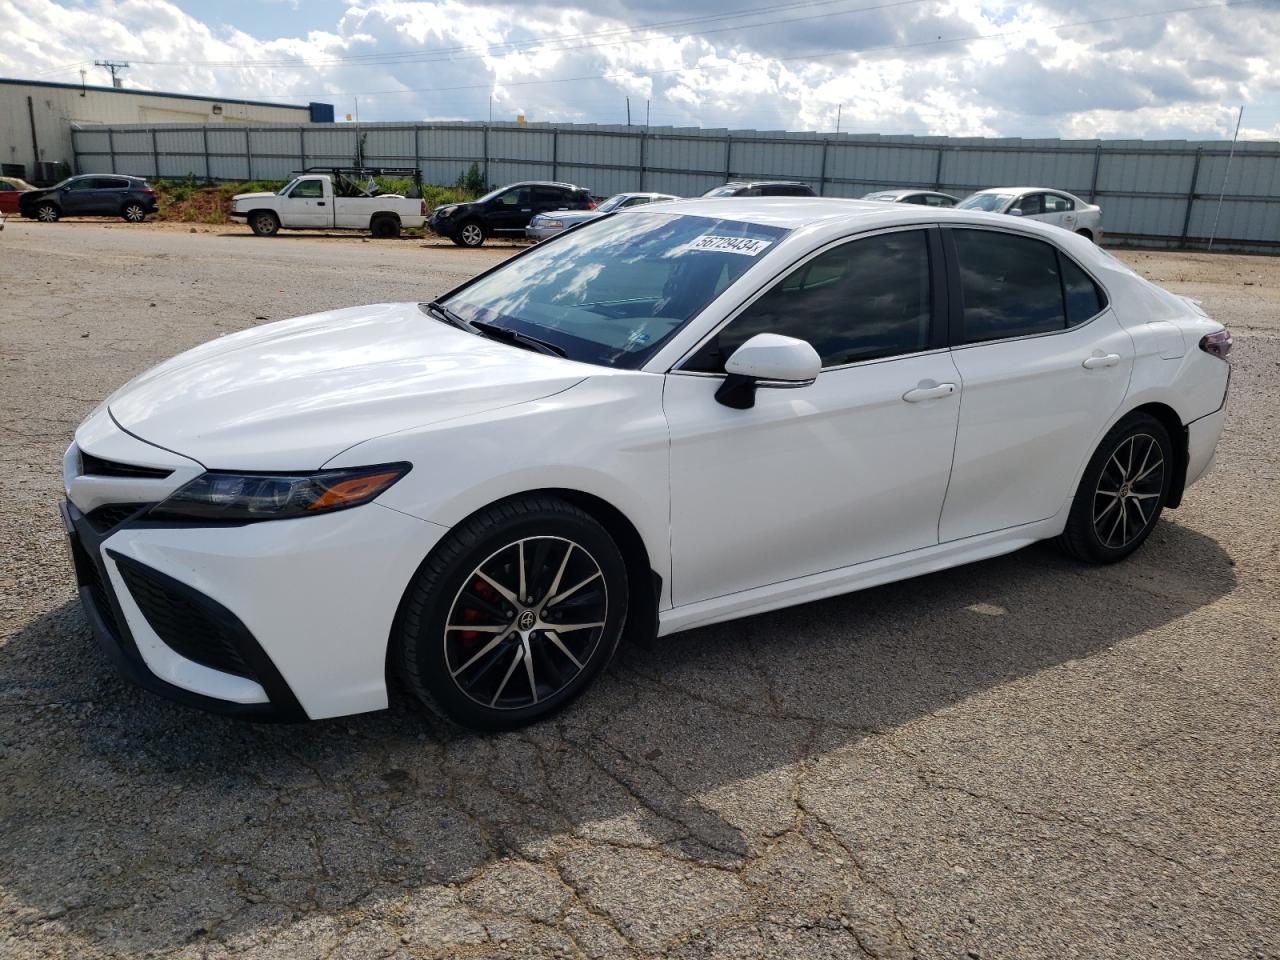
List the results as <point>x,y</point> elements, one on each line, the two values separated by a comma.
<point>1058,207</point>
<point>549,224</point>
<point>924,198</point>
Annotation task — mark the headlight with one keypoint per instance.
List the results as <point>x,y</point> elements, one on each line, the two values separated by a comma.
<point>555,224</point>
<point>241,497</point>
<point>447,211</point>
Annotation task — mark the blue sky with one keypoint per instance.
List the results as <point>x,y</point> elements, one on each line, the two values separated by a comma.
<point>1072,68</point>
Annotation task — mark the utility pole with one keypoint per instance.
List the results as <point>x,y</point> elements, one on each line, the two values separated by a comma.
<point>628,111</point>
<point>839,110</point>
<point>116,67</point>
<point>1226,173</point>
<point>646,114</point>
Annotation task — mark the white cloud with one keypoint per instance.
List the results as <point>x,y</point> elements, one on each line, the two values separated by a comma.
<point>898,69</point>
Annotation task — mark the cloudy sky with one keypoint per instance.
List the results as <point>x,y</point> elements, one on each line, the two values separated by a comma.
<point>1074,68</point>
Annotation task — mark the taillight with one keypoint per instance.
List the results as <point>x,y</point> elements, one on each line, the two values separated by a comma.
<point>149,191</point>
<point>591,204</point>
<point>1218,344</point>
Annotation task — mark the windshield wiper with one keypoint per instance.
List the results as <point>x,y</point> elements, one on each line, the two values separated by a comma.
<point>448,316</point>
<point>516,338</point>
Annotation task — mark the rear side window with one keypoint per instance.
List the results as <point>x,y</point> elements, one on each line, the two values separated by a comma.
<point>112,183</point>
<point>1056,204</point>
<point>1016,286</point>
<point>862,300</point>
<point>1084,297</point>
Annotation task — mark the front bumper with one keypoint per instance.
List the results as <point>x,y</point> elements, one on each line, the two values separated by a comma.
<point>442,226</point>
<point>541,232</point>
<point>279,620</point>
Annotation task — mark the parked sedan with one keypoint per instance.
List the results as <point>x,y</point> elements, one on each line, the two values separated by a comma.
<point>549,224</point>
<point>671,417</point>
<point>1057,207</point>
<point>10,189</point>
<point>762,188</point>
<point>925,198</point>
<point>94,195</point>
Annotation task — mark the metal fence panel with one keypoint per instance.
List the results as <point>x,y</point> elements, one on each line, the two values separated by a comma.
<point>1156,192</point>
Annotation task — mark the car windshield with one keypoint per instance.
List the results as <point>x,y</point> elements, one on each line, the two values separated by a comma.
<point>881,196</point>
<point>989,202</point>
<point>287,187</point>
<point>612,292</point>
<point>728,190</point>
<point>612,203</point>
<point>496,192</point>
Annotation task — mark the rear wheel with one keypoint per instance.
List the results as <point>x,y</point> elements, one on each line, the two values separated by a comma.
<point>1122,492</point>
<point>264,223</point>
<point>48,212</point>
<point>513,614</point>
<point>385,226</point>
<point>134,213</point>
<point>470,234</point>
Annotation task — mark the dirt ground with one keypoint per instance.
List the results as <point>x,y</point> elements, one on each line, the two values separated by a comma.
<point>1021,758</point>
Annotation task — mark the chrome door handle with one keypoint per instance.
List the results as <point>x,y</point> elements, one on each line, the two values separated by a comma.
<point>935,392</point>
<point>1101,360</point>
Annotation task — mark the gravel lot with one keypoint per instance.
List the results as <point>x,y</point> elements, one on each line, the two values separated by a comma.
<point>1021,758</point>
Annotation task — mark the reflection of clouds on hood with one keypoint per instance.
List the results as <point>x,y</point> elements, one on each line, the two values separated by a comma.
<point>899,67</point>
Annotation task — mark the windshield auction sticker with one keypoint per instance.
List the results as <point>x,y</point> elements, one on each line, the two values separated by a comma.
<point>743,245</point>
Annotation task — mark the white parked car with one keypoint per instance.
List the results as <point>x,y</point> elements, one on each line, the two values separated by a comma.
<point>544,225</point>
<point>670,417</point>
<point>925,198</point>
<point>310,202</point>
<point>1057,207</point>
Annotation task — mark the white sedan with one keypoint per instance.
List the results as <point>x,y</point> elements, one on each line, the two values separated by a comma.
<point>1057,207</point>
<point>678,416</point>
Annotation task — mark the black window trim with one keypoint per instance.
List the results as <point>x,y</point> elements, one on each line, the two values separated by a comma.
<point>938,321</point>
<point>955,298</point>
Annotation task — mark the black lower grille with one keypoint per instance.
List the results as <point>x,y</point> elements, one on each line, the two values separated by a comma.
<point>111,515</point>
<point>89,576</point>
<point>185,625</point>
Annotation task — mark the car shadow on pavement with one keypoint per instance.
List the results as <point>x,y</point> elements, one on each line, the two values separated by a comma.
<point>134,824</point>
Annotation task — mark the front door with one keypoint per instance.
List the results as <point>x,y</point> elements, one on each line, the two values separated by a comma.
<point>1043,363</point>
<point>79,197</point>
<point>850,468</point>
<point>306,205</point>
<point>510,212</point>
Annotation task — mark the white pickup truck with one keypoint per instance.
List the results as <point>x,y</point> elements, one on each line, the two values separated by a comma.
<point>310,202</point>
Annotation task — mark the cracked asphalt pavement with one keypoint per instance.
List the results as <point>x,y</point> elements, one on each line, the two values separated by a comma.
<point>1021,758</point>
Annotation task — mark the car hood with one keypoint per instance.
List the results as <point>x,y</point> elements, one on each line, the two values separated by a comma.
<point>570,216</point>
<point>265,195</point>
<point>292,395</point>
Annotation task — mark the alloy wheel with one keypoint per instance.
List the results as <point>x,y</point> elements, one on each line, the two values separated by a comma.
<point>526,622</point>
<point>472,235</point>
<point>1127,497</point>
<point>134,213</point>
<point>48,213</point>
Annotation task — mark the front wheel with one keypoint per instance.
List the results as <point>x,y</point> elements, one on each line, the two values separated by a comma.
<point>1122,492</point>
<point>48,213</point>
<point>264,223</point>
<point>471,234</point>
<point>134,213</point>
<point>513,614</point>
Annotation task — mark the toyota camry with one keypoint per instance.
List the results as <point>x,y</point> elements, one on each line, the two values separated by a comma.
<point>677,416</point>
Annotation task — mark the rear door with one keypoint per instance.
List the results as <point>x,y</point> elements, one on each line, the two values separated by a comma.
<point>8,198</point>
<point>546,199</point>
<point>1043,363</point>
<point>1060,211</point>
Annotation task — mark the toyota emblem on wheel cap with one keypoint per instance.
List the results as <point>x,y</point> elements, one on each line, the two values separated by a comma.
<point>527,620</point>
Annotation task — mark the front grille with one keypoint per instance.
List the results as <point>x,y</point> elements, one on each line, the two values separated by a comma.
<point>97,467</point>
<point>89,576</point>
<point>111,515</point>
<point>186,626</point>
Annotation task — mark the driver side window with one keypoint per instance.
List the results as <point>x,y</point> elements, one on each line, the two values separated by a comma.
<point>862,300</point>
<point>513,198</point>
<point>308,190</point>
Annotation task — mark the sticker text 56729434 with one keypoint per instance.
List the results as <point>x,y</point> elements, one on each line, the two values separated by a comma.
<point>743,245</point>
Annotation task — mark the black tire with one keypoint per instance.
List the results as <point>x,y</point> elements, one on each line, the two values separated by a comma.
<point>456,584</point>
<point>470,233</point>
<point>133,213</point>
<point>1122,492</point>
<point>264,223</point>
<point>385,226</point>
<point>48,213</point>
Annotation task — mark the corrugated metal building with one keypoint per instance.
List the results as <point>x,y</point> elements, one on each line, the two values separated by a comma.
<point>36,117</point>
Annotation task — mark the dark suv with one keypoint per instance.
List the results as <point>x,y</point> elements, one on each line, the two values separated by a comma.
<point>762,188</point>
<point>505,212</point>
<point>92,195</point>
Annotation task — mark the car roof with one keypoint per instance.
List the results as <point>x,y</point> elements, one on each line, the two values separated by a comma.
<point>761,183</point>
<point>793,213</point>
<point>1025,190</point>
<point>545,183</point>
